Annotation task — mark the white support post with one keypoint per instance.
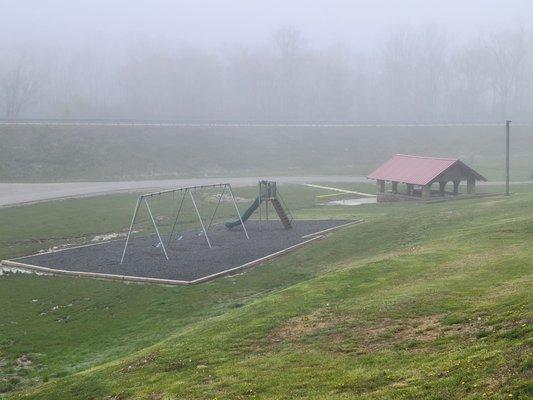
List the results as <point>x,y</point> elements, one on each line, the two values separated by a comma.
<point>177,216</point>
<point>269,196</point>
<point>200,219</point>
<point>131,228</point>
<point>155,226</point>
<point>260,216</point>
<point>238,212</point>
<point>216,208</point>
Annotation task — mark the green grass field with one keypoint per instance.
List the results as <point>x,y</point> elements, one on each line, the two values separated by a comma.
<point>421,301</point>
<point>67,153</point>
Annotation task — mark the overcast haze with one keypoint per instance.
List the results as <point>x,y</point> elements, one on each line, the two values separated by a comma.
<point>237,59</point>
<point>213,23</point>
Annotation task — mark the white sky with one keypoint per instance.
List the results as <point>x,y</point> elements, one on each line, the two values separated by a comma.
<point>210,23</point>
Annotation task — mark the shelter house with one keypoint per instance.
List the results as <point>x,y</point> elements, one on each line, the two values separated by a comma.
<point>419,174</point>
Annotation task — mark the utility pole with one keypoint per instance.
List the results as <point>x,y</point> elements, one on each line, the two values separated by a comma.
<point>507,124</point>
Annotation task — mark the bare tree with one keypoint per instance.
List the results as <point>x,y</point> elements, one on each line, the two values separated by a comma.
<point>414,74</point>
<point>417,74</point>
<point>289,44</point>
<point>470,87</point>
<point>19,88</point>
<point>509,51</point>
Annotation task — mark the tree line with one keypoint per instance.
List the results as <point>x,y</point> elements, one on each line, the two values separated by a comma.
<point>413,75</point>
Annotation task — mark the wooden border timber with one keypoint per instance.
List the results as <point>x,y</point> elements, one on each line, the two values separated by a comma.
<point>53,271</point>
<point>358,221</point>
<point>255,262</point>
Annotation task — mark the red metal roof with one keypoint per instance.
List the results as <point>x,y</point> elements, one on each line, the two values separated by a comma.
<point>415,170</point>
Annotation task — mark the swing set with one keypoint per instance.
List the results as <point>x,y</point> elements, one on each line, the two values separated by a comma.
<point>189,192</point>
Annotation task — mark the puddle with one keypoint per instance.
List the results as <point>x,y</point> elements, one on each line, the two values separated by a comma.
<point>352,202</point>
<point>109,236</point>
<point>4,270</point>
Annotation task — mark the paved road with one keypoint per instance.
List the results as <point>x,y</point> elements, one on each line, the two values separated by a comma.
<point>21,193</point>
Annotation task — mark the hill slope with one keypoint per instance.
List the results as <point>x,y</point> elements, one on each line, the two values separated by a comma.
<point>442,309</point>
<point>66,153</point>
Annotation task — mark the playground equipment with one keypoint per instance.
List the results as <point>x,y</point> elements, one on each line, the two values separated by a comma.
<point>187,192</point>
<point>268,193</point>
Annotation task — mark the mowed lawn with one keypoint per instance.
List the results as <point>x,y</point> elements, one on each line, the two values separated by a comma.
<point>420,301</point>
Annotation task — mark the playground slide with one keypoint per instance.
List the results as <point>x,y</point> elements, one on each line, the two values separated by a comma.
<point>232,223</point>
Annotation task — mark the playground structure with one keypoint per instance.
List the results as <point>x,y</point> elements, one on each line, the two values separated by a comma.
<point>187,259</point>
<point>191,260</point>
<point>189,190</point>
<point>268,193</point>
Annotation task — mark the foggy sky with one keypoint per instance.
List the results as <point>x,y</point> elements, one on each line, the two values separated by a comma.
<point>215,23</point>
<point>267,60</point>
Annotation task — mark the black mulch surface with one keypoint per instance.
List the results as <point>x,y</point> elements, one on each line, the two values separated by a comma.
<point>190,257</point>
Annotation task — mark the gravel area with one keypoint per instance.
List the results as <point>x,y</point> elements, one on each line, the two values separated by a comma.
<point>190,257</point>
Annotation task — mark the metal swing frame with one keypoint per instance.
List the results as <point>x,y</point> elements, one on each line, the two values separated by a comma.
<point>143,198</point>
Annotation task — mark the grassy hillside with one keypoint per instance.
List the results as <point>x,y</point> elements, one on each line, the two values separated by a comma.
<point>34,153</point>
<point>421,301</point>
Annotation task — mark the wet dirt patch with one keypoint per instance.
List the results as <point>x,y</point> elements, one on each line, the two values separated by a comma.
<point>139,363</point>
<point>23,362</point>
<point>500,378</point>
<point>16,372</point>
<point>346,334</point>
<point>421,329</point>
<point>120,396</point>
<point>173,365</point>
<point>156,396</point>
<point>300,326</point>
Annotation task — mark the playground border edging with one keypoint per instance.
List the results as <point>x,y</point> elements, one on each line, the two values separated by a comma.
<point>160,281</point>
<point>11,263</point>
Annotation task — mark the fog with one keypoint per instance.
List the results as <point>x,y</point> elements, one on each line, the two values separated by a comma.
<point>277,60</point>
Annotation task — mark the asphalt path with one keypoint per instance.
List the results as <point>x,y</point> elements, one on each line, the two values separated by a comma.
<point>12,194</point>
<point>22,193</point>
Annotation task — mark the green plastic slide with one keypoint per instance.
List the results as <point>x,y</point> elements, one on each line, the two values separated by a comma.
<point>232,223</point>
